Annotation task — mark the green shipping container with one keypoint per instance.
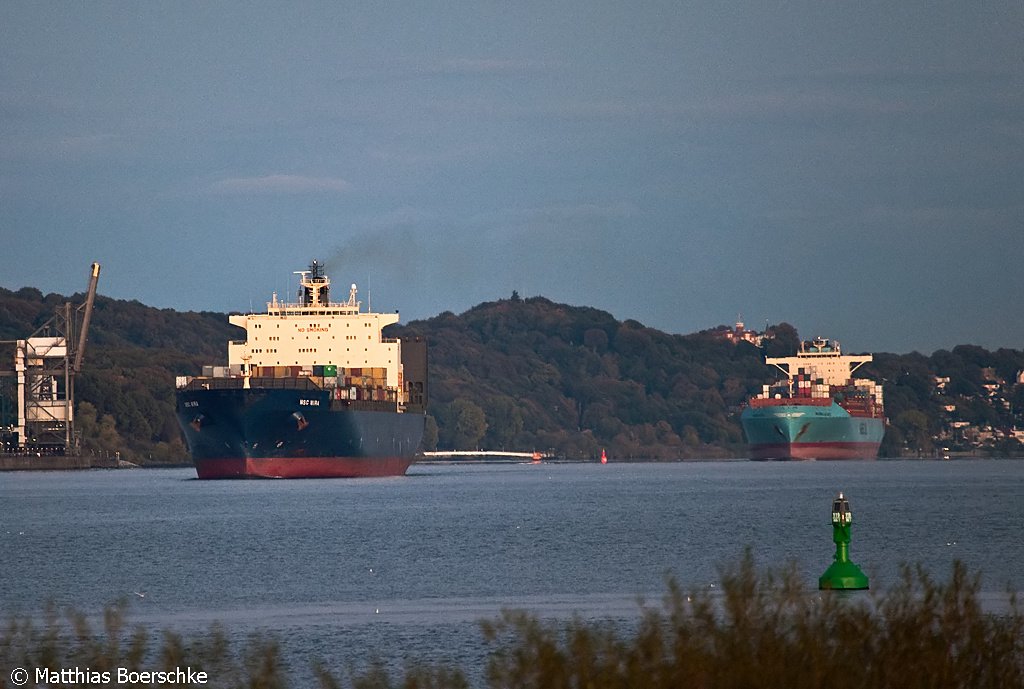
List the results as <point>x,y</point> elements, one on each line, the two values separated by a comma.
<point>330,370</point>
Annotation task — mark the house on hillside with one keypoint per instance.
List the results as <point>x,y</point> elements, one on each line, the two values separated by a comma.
<point>740,334</point>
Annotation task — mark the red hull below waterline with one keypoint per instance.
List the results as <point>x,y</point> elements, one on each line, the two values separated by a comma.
<point>301,467</point>
<point>815,451</point>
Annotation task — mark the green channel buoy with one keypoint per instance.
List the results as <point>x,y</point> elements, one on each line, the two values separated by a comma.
<point>842,574</point>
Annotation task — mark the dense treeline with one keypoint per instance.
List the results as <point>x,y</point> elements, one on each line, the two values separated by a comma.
<point>519,374</point>
<point>982,389</point>
<point>532,374</point>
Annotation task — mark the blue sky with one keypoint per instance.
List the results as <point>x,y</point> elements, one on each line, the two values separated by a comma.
<point>855,169</point>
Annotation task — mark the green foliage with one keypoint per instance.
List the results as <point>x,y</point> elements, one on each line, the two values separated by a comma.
<point>758,629</point>
<point>574,380</point>
<point>765,630</point>
<point>69,641</point>
<point>914,404</point>
<point>464,425</point>
<point>429,442</point>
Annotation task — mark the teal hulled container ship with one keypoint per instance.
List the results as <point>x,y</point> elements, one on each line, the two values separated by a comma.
<point>820,411</point>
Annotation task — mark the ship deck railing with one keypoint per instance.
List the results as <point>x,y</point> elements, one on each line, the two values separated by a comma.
<point>783,401</point>
<point>238,382</point>
<point>364,405</point>
<point>864,406</point>
<point>292,309</point>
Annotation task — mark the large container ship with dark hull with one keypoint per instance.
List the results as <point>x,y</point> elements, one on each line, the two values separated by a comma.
<point>820,411</point>
<point>314,391</point>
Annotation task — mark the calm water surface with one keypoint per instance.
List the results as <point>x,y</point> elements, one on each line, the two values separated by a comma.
<point>406,566</point>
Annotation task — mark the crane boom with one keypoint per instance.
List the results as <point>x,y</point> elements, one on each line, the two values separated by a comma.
<point>94,277</point>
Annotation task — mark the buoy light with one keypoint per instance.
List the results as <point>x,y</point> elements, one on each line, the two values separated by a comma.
<point>842,574</point>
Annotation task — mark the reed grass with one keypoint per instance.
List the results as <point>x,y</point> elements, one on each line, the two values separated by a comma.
<point>758,629</point>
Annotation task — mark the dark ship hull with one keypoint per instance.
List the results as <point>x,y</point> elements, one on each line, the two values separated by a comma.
<point>274,430</point>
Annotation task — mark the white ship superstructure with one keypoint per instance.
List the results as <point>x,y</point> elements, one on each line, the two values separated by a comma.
<point>817,370</point>
<point>317,332</point>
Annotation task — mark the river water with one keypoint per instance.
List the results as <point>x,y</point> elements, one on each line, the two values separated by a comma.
<point>404,568</point>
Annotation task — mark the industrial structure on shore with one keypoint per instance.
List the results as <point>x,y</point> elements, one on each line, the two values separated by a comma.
<point>37,394</point>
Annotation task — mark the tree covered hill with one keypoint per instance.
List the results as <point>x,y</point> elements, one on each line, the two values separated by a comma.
<point>967,399</point>
<point>525,374</point>
<point>533,374</point>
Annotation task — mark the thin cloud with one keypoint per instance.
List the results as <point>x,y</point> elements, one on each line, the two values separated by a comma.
<point>489,66</point>
<point>569,212</point>
<point>400,217</point>
<point>404,69</point>
<point>450,154</point>
<point>280,184</point>
<point>66,148</point>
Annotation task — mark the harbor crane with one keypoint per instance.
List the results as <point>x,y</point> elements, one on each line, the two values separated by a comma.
<point>45,366</point>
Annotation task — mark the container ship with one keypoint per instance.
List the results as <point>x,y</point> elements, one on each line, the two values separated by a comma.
<point>820,411</point>
<point>313,391</point>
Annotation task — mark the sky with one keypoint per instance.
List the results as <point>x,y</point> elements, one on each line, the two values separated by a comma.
<point>854,169</point>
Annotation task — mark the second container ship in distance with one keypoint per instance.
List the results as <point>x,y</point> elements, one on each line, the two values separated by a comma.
<point>313,391</point>
<point>820,411</point>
